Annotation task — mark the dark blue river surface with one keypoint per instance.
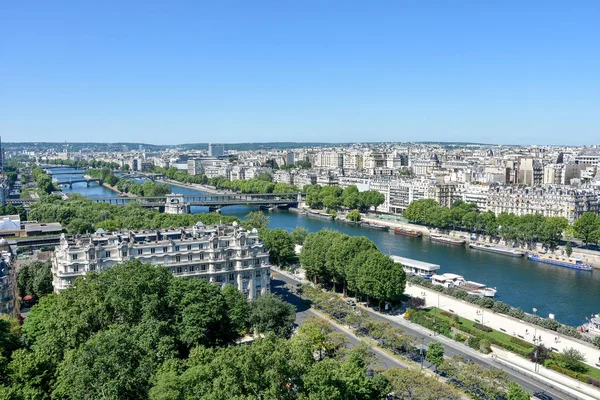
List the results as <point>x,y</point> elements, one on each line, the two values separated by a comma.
<point>567,293</point>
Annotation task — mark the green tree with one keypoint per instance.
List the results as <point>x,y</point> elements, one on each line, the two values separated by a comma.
<point>256,220</point>
<point>572,359</point>
<point>353,215</point>
<point>238,308</point>
<point>435,354</point>
<point>586,225</point>
<point>516,392</point>
<point>413,384</point>
<point>35,279</point>
<point>109,365</point>
<point>569,249</point>
<point>271,314</point>
<point>265,176</point>
<point>298,235</point>
<point>313,256</point>
<point>280,246</point>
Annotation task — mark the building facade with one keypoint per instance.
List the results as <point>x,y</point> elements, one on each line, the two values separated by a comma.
<point>223,254</point>
<point>549,201</point>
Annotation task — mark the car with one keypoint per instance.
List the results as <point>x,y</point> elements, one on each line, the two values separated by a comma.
<point>351,303</point>
<point>542,395</point>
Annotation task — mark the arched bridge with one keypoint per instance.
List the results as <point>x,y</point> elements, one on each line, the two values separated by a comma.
<point>213,202</point>
<point>70,182</point>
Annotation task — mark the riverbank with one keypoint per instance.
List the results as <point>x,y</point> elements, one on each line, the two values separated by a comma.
<point>504,323</point>
<point>195,186</point>
<point>587,256</point>
<point>112,188</point>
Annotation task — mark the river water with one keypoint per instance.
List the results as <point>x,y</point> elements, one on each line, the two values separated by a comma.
<point>568,294</point>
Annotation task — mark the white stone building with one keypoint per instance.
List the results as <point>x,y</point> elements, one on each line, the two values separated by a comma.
<point>224,254</point>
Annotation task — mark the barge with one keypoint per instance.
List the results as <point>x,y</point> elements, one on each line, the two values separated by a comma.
<point>407,232</point>
<point>567,262</point>
<point>497,250</point>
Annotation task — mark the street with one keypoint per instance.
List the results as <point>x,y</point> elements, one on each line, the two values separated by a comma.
<point>451,348</point>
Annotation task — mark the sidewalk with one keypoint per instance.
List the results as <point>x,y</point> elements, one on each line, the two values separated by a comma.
<point>503,323</point>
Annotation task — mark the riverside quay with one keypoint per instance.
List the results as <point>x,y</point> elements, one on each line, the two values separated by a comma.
<point>223,254</point>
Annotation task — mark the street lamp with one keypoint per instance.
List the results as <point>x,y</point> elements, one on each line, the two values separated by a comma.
<point>535,327</point>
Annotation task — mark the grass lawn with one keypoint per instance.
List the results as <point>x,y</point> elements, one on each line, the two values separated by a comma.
<point>499,337</point>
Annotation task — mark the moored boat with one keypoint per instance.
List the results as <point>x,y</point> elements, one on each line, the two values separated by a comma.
<point>415,267</point>
<point>374,226</point>
<point>407,232</point>
<point>496,249</point>
<point>568,262</point>
<point>448,280</point>
<point>447,240</point>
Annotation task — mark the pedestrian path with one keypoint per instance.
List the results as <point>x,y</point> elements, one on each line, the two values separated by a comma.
<point>504,323</point>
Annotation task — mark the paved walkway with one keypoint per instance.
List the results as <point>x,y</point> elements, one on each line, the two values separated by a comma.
<point>509,325</point>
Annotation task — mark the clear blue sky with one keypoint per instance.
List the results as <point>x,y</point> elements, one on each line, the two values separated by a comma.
<point>337,71</point>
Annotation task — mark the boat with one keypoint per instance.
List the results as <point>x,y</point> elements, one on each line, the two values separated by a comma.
<point>347,221</point>
<point>407,232</point>
<point>447,240</point>
<point>374,226</point>
<point>496,249</point>
<point>319,215</point>
<point>448,280</point>
<point>416,268</point>
<point>568,262</point>
<point>592,326</point>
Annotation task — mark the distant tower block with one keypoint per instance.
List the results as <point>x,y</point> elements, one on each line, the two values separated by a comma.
<point>216,150</point>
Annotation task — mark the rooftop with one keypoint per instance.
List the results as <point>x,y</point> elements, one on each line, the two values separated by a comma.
<point>409,262</point>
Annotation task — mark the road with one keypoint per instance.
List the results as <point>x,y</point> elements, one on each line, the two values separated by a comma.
<point>451,348</point>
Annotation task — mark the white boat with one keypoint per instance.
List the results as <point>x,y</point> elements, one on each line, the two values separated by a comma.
<point>448,280</point>
<point>447,240</point>
<point>592,326</point>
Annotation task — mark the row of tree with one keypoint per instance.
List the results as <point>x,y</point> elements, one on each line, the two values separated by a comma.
<point>111,333</point>
<point>334,197</point>
<point>85,164</point>
<point>80,215</point>
<point>263,184</point>
<point>43,181</point>
<point>525,230</point>
<point>587,228</point>
<point>354,263</point>
<point>35,279</point>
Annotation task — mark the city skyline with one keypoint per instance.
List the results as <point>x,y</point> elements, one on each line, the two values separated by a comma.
<point>234,73</point>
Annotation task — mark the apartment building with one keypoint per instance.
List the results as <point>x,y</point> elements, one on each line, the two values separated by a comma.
<point>223,254</point>
<point>550,201</point>
<point>7,276</point>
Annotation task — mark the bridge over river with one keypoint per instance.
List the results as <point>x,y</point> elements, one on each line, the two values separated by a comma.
<point>213,202</point>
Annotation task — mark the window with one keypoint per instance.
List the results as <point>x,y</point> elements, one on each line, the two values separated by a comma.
<point>176,248</point>
<point>107,254</point>
<point>257,274</point>
<point>192,268</point>
<point>201,246</point>
<point>256,261</point>
<point>226,243</point>
<point>244,253</point>
<point>190,257</point>
<point>219,278</point>
<point>75,268</point>
<point>177,258</point>
<point>92,256</point>
<point>165,249</point>
<point>73,256</point>
<point>203,267</point>
<point>230,264</point>
<point>189,247</point>
<point>202,256</point>
<point>179,270</point>
<point>232,277</point>
<point>152,250</point>
<point>92,267</point>
<point>124,251</point>
<point>140,251</point>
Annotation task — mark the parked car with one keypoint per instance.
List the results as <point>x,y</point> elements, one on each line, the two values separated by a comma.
<point>351,303</point>
<point>542,395</point>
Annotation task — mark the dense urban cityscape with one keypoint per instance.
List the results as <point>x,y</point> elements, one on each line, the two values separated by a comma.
<point>396,232</point>
<point>299,200</point>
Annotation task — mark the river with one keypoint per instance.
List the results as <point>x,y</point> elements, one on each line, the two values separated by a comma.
<point>568,294</point>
